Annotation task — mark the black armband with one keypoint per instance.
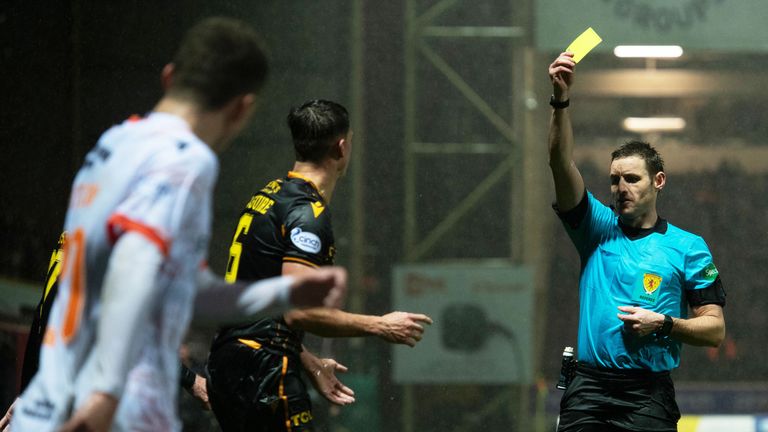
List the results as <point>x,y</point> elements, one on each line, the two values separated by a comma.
<point>187,377</point>
<point>713,294</point>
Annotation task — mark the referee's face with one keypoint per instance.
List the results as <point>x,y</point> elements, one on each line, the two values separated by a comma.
<point>633,191</point>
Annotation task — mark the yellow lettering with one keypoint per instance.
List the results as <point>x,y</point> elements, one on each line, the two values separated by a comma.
<point>272,187</point>
<point>295,419</point>
<point>260,204</point>
<point>306,417</point>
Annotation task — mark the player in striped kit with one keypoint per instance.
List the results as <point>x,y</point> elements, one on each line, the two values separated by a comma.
<point>138,227</point>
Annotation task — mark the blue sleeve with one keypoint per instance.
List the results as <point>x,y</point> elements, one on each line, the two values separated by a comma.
<point>596,223</point>
<point>700,271</point>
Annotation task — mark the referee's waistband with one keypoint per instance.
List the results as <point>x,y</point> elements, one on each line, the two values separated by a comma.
<point>616,373</point>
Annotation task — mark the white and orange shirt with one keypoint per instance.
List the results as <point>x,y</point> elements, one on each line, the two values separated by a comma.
<point>155,177</point>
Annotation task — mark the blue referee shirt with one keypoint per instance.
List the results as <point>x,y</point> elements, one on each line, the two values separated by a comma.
<point>622,266</point>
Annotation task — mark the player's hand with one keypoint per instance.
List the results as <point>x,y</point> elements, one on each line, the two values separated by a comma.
<point>322,373</point>
<point>561,75</point>
<point>403,327</point>
<point>5,422</point>
<point>200,391</point>
<point>325,286</point>
<point>639,321</point>
<point>94,416</point>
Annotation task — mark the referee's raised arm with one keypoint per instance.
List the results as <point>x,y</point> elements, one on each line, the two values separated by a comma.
<point>569,185</point>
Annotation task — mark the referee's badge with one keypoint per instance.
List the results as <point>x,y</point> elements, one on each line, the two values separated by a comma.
<point>648,291</point>
<point>651,282</point>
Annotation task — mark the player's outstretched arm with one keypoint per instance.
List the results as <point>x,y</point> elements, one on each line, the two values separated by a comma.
<point>322,374</point>
<point>569,185</point>
<point>396,327</point>
<point>219,302</point>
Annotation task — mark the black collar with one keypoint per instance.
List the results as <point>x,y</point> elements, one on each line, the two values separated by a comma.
<point>637,233</point>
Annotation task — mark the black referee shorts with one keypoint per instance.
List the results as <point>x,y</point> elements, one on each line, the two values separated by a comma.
<point>615,400</point>
<point>257,390</point>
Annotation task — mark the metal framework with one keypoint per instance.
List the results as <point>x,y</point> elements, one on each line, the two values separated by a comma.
<point>420,30</point>
<point>516,148</point>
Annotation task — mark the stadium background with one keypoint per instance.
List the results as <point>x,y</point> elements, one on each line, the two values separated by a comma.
<point>448,103</point>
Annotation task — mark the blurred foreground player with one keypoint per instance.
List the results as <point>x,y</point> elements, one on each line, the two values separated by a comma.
<point>189,380</point>
<point>138,226</point>
<point>254,368</point>
<point>39,324</point>
<point>639,276</point>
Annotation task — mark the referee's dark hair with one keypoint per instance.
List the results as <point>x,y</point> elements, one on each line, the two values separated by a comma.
<point>653,161</point>
<point>315,126</point>
<point>218,59</point>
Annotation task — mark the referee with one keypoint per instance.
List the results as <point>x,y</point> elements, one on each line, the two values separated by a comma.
<point>639,276</point>
<point>255,381</point>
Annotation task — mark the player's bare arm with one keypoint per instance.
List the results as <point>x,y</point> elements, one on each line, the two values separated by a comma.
<point>569,185</point>
<point>396,327</point>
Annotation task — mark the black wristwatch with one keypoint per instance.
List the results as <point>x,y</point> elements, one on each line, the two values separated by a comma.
<point>666,327</point>
<point>556,104</point>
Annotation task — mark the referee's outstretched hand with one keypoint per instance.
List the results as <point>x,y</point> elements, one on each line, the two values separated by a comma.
<point>325,286</point>
<point>402,327</point>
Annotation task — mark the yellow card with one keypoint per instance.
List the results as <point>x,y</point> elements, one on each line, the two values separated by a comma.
<point>582,45</point>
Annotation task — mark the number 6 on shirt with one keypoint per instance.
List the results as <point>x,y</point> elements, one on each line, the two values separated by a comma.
<point>237,248</point>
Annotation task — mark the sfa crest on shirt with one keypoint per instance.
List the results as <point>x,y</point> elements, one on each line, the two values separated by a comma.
<point>651,282</point>
<point>648,292</point>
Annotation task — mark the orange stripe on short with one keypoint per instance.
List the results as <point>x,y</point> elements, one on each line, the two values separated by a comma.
<point>282,395</point>
<point>251,343</point>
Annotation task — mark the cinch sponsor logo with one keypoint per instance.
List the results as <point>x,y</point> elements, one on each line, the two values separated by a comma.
<point>306,241</point>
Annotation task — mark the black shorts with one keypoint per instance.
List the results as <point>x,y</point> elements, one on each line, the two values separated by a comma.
<point>257,390</point>
<point>619,400</point>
